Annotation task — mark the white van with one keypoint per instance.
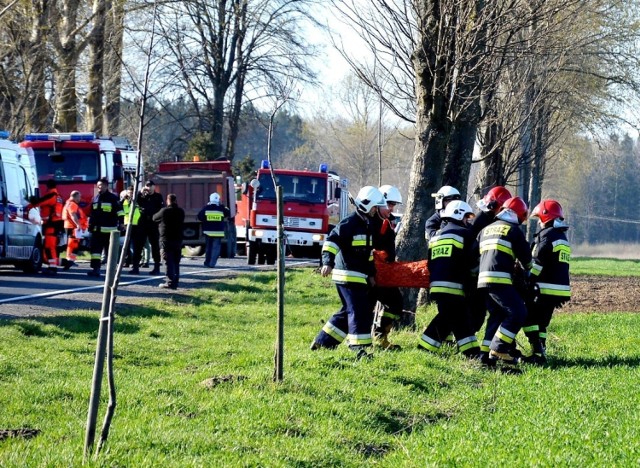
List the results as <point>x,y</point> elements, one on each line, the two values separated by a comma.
<point>20,237</point>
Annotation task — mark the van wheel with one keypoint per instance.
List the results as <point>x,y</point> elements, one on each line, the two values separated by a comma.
<point>35,260</point>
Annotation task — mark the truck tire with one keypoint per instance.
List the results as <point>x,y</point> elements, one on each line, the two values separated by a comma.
<point>252,253</point>
<point>194,250</point>
<point>35,260</point>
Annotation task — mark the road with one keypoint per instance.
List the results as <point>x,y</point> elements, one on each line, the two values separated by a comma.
<point>23,295</point>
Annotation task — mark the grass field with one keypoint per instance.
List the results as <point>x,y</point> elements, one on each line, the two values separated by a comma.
<point>194,380</point>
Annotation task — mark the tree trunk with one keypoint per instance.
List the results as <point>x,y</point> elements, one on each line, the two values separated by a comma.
<point>95,93</point>
<point>114,36</point>
<point>66,103</point>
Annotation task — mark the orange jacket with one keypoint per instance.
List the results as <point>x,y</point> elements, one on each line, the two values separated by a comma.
<point>73,216</point>
<point>51,207</point>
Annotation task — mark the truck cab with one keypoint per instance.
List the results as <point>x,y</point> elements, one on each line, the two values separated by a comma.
<point>76,161</point>
<point>20,236</point>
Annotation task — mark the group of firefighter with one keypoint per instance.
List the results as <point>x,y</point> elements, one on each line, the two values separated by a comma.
<point>481,269</point>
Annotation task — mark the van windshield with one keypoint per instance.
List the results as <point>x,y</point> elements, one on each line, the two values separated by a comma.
<point>304,189</point>
<point>73,166</point>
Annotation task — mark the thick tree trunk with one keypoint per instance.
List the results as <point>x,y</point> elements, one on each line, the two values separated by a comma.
<point>66,104</point>
<point>95,93</point>
<point>113,67</point>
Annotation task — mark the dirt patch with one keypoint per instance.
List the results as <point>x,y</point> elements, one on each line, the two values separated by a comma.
<point>25,433</point>
<point>604,294</point>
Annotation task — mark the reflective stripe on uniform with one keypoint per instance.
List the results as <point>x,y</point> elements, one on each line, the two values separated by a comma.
<point>348,276</point>
<point>331,330</point>
<point>467,343</point>
<point>550,289</point>
<point>494,277</point>
<point>447,239</point>
<point>505,335</point>
<point>447,287</point>
<point>536,269</point>
<point>359,240</point>
<point>429,343</point>
<point>213,233</point>
<point>485,345</point>
<point>497,244</point>
<point>364,339</point>
<point>330,247</point>
<point>530,329</point>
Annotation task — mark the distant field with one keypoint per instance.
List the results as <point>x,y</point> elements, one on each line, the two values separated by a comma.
<point>620,251</point>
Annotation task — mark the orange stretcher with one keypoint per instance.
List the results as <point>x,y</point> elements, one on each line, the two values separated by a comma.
<point>400,274</point>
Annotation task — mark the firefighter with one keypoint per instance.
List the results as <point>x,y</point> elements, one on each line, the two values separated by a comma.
<point>51,205</point>
<point>106,216</point>
<point>442,197</point>
<point>451,259</point>
<point>390,299</point>
<point>150,202</point>
<point>75,223</point>
<point>488,208</point>
<point>213,217</point>
<point>347,257</point>
<point>549,275</point>
<point>502,244</point>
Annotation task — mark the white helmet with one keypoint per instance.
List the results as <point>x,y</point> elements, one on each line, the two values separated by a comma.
<point>214,198</point>
<point>457,210</point>
<point>446,193</point>
<point>391,194</point>
<point>368,197</point>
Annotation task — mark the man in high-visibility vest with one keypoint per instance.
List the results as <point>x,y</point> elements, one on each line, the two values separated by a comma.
<point>213,217</point>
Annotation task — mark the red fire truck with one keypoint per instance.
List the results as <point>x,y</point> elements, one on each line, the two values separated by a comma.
<point>314,202</point>
<point>76,161</point>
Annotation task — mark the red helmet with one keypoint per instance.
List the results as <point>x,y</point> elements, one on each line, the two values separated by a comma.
<point>496,197</point>
<point>518,206</point>
<point>548,210</point>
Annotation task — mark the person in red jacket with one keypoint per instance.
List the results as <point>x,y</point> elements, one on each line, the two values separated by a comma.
<point>75,222</point>
<point>51,205</point>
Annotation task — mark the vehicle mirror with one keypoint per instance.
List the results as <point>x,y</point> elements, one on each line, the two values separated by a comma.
<point>337,192</point>
<point>117,157</point>
<point>255,183</point>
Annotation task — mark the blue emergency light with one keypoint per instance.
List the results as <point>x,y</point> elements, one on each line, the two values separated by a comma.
<point>87,136</point>
<point>323,168</point>
<point>265,164</point>
<point>4,134</point>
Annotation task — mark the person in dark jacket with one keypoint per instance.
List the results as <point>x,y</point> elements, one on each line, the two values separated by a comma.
<point>150,203</point>
<point>347,257</point>
<point>384,240</point>
<point>442,197</point>
<point>549,276</point>
<point>106,216</point>
<point>170,221</point>
<point>451,260</point>
<point>213,217</point>
<point>501,245</point>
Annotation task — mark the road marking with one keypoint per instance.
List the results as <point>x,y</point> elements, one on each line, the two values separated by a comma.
<point>129,283</point>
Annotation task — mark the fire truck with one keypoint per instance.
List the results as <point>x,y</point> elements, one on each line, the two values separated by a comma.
<point>313,202</point>
<point>193,182</point>
<point>20,233</point>
<point>76,161</point>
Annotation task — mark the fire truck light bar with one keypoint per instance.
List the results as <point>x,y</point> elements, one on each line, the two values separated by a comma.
<point>265,164</point>
<point>88,136</point>
<point>323,168</point>
<point>4,134</point>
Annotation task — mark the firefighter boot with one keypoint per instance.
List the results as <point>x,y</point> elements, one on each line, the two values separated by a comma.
<point>538,355</point>
<point>381,338</point>
<point>156,269</point>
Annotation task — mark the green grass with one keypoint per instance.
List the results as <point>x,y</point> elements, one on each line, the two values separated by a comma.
<point>604,267</point>
<point>406,408</point>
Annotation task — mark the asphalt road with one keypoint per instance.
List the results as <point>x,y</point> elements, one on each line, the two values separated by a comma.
<point>23,295</point>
